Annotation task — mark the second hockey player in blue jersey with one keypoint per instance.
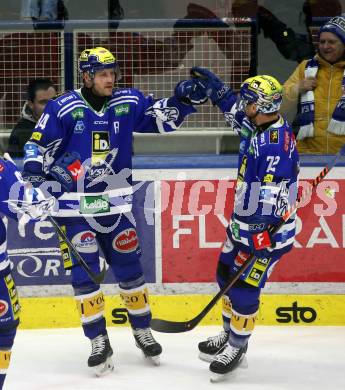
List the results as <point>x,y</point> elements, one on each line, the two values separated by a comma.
<point>83,140</point>
<point>266,187</point>
<point>18,200</point>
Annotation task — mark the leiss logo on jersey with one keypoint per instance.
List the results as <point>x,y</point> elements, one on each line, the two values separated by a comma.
<point>100,146</point>
<point>85,242</point>
<point>126,241</point>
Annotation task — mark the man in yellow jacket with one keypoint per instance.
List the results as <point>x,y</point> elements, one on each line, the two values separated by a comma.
<point>318,85</point>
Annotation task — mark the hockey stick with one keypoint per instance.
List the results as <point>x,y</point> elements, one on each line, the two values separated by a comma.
<point>165,326</point>
<point>96,278</point>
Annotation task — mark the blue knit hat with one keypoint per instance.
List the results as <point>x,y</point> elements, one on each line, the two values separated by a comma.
<point>335,26</point>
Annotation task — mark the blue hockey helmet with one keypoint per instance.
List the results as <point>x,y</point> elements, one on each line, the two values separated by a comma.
<point>265,91</point>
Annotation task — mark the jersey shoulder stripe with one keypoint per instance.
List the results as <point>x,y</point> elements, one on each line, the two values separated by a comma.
<point>124,100</point>
<point>67,100</point>
<point>66,97</point>
<point>70,107</point>
<point>126,93</point>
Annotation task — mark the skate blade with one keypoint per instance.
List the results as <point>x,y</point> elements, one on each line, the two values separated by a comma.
<point>104,368</point>
<point>205,357</point>
<point>155,360</point>
<point>215,378</point>
<point>209,359</point>
<point>243,363</point>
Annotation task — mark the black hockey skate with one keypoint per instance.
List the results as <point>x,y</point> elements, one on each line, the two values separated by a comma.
<point>100,359</point>
<point>209,348</point>
<point>149,346</point>
<point>226,361</point>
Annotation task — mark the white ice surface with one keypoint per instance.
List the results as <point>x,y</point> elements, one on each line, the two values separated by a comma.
<point>291,358</point>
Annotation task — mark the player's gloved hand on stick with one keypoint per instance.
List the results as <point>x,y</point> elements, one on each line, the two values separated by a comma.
<point>188,92</point>
<point>36,179</point>
<point>210,84</point>
<point>67,170</point>
<point>37,207</point>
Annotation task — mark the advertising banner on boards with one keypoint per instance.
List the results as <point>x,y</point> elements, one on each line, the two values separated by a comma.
<point>190,233</point>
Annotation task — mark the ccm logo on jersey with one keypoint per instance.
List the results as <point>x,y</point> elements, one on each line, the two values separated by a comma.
<point>126,241</point>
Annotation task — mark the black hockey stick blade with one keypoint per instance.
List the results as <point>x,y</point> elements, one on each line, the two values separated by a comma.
<point>96,278</point>
<point>166,326</point>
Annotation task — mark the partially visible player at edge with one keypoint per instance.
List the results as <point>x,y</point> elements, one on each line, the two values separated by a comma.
<point>88,134</point>
<point>17,199</point>
<point>268,167</point>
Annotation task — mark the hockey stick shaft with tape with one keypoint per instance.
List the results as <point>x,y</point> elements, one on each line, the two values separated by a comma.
<point>166,326</point>
<point>96,278</point>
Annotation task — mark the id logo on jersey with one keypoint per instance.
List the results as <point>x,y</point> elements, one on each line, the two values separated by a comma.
<point>100,146</point>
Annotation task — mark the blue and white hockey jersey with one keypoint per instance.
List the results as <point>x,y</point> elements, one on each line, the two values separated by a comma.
<point>267,180</point>
<point>104,142</point>
<point>8,176</point>
<point>18,199</point>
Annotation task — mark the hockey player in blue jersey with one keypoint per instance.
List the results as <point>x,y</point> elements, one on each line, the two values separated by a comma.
<point>88,134</point>
<point>266,186</point>
<point>17,200</point>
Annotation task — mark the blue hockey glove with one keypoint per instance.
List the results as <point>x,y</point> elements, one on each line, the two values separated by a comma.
<point>188,92</point>
<point>211,84</point>
<point>35,179</point>
<point>67,170</point>
<point>35,205</point>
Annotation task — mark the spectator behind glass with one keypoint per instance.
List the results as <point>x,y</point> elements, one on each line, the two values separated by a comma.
<point>43,10</point>
<point>115,11</point>
<point>291,45</point>
<point>318,86</point>
<point>39,91</point>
